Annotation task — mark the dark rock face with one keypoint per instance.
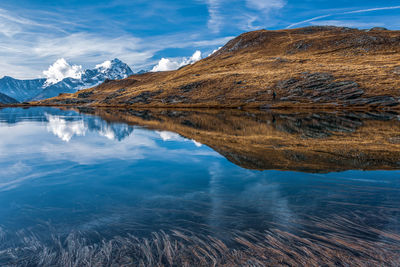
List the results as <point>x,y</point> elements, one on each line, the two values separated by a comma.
<point>375,101</point>
<point>85,94</point>
<point>314,29</point>
<point>300,46</point>
<point>72,101</point>
<point>173,99</point>
<point>323,88</point>
<point>144,97</point>
<point>319,88</point>
<point>318,125</point>
<point>190,86</point>
<point>378,29</point>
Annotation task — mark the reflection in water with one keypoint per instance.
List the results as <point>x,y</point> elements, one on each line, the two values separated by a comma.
<point>65,129</point>
<point>99,189</point>
<point>311,142</point>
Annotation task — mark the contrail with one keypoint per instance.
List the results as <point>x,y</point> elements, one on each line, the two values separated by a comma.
<point>372,9</point>
<point>309,20</point>
<point>343,13</point>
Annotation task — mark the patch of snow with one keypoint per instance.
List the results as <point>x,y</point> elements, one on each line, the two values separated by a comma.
<point>104,66</point>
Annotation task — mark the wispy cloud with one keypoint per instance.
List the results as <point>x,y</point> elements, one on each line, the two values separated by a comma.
<point>308,20</point>
<point>28,46</point>
<point>137,32</point>
<point>265,5</point>
<point>372,9</point>
<point>342,13</point>
<point>244,15</point>
<point>215,17</point>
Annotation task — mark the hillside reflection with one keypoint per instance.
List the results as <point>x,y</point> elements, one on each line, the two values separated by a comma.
<point>309,142</point>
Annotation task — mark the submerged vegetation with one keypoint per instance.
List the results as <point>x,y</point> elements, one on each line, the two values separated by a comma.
<point>337,241</point>
<point>220,214</point>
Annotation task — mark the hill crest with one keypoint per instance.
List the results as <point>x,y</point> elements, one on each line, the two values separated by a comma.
<point>328,67</point>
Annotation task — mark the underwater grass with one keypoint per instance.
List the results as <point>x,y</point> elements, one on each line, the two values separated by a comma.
<point>333,242</point>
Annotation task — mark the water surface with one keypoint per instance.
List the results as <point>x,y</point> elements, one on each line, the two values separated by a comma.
<point>91,187</point>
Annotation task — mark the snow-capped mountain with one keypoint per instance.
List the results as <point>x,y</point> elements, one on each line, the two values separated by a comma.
<point>26,90</point>
<point>5,99</point>
<point>21,90</point>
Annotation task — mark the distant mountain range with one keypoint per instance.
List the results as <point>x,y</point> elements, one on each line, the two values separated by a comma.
<point>14,90</point>
<point>5,99</point>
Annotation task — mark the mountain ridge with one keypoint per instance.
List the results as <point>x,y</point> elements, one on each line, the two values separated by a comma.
<point>311,67</point>
<point>38,89</point>
<point>7,100</point>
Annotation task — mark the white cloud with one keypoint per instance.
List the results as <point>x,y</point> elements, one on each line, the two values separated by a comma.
<point>30,42</point>
<point>11,24</point>
<point>169,136</point>
<point>265,5</point>
<point>104,66</point>
<point>166,64</point>
<point>197,143</point>
<point>244,15</point>
<point>215,18</point>
<point>63,129</point>
<point>61,70</point>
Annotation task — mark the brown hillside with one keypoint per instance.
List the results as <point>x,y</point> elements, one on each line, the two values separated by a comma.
<point>308,142</point>
<point>308,67</point>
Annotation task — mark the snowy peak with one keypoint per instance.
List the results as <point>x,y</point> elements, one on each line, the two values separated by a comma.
<point>112,70</point>
<point>62,77</point>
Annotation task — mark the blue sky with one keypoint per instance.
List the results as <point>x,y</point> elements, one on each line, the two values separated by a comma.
<point>35,33</point>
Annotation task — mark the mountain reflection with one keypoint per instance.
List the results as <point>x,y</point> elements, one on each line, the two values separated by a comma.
<point>296,141</point>
<point>100,186</point>
<point>299,141</point>
<point>65,129</point>
<point>67,124</point>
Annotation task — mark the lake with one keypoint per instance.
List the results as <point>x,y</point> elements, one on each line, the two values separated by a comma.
<point>97,187</point>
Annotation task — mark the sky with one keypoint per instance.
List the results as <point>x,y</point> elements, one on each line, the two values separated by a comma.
<point>157,34</point>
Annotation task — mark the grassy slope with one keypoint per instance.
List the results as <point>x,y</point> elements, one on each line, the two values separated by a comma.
<point>247,71</point>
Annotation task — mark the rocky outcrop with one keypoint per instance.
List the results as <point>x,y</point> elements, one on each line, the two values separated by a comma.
<point>144,97</point>
<point>323,88</point>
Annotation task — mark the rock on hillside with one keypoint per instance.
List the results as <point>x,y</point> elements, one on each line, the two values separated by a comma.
<point>312,67</point>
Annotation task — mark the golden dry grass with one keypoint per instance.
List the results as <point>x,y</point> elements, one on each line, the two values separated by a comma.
<point>312,142</point>
<point>247,70</point>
